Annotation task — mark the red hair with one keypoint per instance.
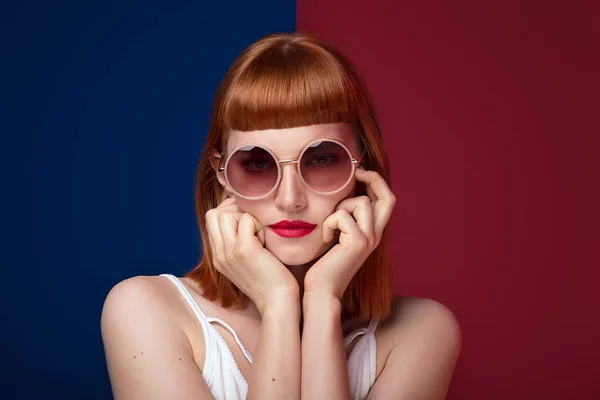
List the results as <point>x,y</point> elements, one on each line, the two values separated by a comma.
<point>286,81</point>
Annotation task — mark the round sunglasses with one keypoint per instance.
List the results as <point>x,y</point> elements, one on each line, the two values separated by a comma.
<point>325,166</point>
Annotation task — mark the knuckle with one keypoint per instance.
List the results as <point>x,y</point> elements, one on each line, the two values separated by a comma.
<point>221,260</point>
<point>210,214</point>
<point>371,241</point>
<point>216,263</point>
<point>340,206</point>
<point>364,199</point>
<point>342,213</point>
<point>245,217</point>
<point>361,243</point>
<point>242,251</point>
<point>245,221</point>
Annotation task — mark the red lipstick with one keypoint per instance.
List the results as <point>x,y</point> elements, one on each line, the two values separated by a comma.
<point>292,229</point>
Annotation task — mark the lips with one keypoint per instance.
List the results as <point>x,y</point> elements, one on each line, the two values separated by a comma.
<point>285,224</point>
<point>292,229</point>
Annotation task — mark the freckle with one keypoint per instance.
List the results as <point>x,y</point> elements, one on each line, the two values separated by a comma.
<point>134,356</point>
<point>141,352</point>
<point>179,358</point>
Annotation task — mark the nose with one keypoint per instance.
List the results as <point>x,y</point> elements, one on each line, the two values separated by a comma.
<point>290,196</point>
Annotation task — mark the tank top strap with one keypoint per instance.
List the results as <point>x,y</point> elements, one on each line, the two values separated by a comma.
<point>235,336</point>
<point>188,298</point>
<point>348,339</point>
<point>361,331</point>
<point>205,320</point>
<point>373,325</point>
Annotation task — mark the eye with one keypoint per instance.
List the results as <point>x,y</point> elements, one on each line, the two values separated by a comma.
<point>322,160</point>
<point>257,165</point>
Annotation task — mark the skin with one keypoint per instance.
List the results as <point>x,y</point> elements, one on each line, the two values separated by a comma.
<point>294,316</point>
<point>292,200</point>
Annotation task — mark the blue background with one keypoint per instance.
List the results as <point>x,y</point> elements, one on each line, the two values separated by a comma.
<point>104,111</point>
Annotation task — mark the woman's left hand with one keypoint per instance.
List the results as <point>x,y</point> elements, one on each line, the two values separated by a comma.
<point>361,221</point>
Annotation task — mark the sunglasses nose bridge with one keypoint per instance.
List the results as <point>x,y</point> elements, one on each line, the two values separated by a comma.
<point>290,161</point>
<point>290,191</point>
<point>282,164</point>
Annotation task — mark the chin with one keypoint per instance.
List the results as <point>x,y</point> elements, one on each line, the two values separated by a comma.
<point>297,254</point>
<point>292,258</point>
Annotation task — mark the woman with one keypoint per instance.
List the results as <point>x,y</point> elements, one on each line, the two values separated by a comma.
<point>292,298</point>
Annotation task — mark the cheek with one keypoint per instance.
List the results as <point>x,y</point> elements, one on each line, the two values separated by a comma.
<point>248,206</point>
<point>353,190</point>
<point>262,210</point>
<point>327,204</point>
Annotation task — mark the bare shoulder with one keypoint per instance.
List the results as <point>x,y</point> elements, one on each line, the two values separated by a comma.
<point>415,311</point>
<point>424,340</point>
<point>138,298</point>
<point>426,321</point>
<point>147,352</point>
<point>131,288</point>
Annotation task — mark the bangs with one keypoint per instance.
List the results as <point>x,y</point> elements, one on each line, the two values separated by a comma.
<point>287,86</point>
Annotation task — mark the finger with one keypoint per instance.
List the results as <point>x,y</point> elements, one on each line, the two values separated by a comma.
<point>232,208</point>
<point>375,183</point>
<point>382,208</point>
<point>371,195</point>
<point>227,202</point>
<point>228,224</point>
<point>360,208</point>
<point>359,172</point>
<point>249,229</point>
<point>342,221</point>
<point>214,235</point>
<point>213,253</point>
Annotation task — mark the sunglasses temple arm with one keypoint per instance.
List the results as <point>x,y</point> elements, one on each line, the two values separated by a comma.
<point>359,159</point>
<point>220,158</point>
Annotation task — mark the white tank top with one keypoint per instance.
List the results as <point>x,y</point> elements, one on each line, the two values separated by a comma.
<point>223,376</point>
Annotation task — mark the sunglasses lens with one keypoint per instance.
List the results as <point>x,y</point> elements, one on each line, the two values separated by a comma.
<point>252,171</point>
<point>326,166</point>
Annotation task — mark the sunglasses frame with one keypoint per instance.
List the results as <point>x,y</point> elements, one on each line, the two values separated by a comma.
<point>354,160</point>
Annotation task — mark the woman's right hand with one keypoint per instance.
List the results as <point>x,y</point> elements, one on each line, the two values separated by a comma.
<point>237,243</point>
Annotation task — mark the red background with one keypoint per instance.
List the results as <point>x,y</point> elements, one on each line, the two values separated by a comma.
<point>491,116</point>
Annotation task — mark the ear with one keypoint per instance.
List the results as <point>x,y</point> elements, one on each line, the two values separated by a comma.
<point>216,161</point>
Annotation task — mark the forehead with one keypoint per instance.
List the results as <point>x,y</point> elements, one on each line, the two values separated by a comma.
<point>287,143</point>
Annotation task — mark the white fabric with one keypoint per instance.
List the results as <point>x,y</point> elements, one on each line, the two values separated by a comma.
<point>223,376</point>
